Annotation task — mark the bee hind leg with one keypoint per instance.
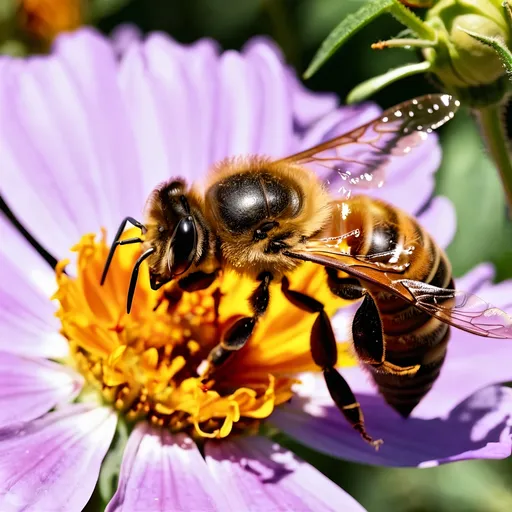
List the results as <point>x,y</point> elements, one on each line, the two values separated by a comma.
<point>366,326</point>
<point>369,340</point>
<point>238,334</point>
<point>325,354</point>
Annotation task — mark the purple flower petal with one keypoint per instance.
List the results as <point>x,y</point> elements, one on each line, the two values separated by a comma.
<point>77,124</point>
<point>161,472</point>
<point>31,387</point>
<point>477,278</point>
<point>463,416</point>
<point>123,36</point>
<point>170,92</point>
<point>308,106</point>
<point>259,475</point>
<point>90,62</point>
<point>27,322</point>
<point>65,141</point>
<point>440,221</point>
<point>479,427</point>
<point>53,463</point>
<point>414,171</point>
<point>410,181</point>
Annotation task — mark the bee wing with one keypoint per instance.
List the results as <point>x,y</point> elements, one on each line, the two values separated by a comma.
<point>457,308</point>
<point>461,309</point>
<point>361,157</point>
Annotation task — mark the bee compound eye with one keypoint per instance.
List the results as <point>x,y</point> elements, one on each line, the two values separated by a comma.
<point>183,245</point>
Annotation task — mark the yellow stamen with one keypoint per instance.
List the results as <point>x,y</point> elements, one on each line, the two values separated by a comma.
<point>146,363</point>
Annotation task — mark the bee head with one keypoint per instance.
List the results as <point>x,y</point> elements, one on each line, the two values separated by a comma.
<point>172,231</point>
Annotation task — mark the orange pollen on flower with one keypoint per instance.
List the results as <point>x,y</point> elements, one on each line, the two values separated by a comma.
<point>146,363</point>
<point>45,19</point>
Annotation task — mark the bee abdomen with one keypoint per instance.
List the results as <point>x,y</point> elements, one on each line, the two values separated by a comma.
<point>405,392</point>
<point>411,336</point>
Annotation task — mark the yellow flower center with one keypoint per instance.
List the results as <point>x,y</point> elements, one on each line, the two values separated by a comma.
<point>147,364</point>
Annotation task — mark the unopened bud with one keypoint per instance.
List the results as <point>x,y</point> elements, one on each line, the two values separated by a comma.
<point>458,59</point>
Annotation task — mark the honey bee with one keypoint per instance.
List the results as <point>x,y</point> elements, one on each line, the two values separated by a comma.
<point>264,218</point>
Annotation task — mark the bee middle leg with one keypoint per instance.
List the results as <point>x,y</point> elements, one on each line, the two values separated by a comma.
<point>325,354</point>
<point>367,332</point>
<point>238,334</point>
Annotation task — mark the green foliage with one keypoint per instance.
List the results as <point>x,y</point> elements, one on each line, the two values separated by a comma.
<point>346,29</point>
<point>470,180</point>
<point>98,9</point>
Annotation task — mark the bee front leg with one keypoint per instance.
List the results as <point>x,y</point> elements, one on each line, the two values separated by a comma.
<point>238,334</point>
<point>325,354</point>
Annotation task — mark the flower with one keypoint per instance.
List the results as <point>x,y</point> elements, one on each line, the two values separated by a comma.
<point>85,136</point>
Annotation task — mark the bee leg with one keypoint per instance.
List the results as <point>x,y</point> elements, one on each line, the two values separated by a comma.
<point>325,354</point>
<point>116,242</point>
<point>348,288</point>
<point>238,334</point>
<point>369,339</point>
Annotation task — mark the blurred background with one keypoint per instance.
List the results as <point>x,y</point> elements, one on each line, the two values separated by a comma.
<point>467,177</point>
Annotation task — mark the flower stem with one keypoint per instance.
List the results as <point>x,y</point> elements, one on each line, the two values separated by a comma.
<point>495,135</point>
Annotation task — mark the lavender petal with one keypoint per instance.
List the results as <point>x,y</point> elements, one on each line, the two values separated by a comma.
<point>259,475</point>
<point>161,472</point>
<point>28,325</point>
<point>479,427</point>
<point>439,220</point>
<point>31,387</point>
<point>53,463</point>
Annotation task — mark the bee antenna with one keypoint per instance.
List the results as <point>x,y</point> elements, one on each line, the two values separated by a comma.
<point>135,275</point>
<point>117,242</point>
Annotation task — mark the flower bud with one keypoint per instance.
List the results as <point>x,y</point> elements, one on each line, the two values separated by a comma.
<point>459,60</point>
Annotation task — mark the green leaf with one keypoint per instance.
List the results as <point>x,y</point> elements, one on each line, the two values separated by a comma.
<point>471,181</point>
<point>109,473</point>
<point>375,84</point>
<point>346,29</point>
<point>497,45</point>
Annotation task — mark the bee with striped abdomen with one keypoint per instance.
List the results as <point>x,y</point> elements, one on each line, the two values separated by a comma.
<point>262,218</point>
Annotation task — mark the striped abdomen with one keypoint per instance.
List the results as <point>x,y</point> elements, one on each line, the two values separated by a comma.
<point>411,337</point>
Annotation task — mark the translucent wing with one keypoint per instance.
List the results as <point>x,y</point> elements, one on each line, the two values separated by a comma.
<point>460,309</point>
<point>359,159</point>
